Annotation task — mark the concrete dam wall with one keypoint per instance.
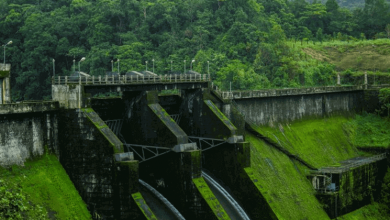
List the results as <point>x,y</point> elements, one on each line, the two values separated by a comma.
<point>26,129</point>
<point>287,108</point>
<point>96,141</point>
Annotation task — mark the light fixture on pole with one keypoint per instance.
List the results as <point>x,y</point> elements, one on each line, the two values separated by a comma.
<point>153,65</point>
<point>82,59</point>
<point>171,66</point>
<point>146,62</point>
<point>118,68</point>
<point>9,42</point>
<point>74,65</point>
<point>112,66</point>
<point>208,68</point>
<point>191,64</point>
<point>54,70</point>
<point>184,66</point>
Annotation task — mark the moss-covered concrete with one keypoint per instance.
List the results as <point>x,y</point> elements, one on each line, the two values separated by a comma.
<point>140,201</point>
<point>104,130</point>
<point>148,123</point>
<point>283,183</point>
<point>209,197</point>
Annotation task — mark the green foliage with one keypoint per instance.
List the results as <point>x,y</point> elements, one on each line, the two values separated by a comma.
<point>244,36</point>
<point>13,203</point>
<point>40,189</point>
<point>384,98</point>
<point>369,130</point>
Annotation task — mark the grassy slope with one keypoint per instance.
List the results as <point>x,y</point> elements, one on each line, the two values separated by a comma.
<point>320,142</point>
<point>365,55</point>
<point>372,211</point>
<point>370,130</point>
<point>45,183</point>
<point>284,184</point>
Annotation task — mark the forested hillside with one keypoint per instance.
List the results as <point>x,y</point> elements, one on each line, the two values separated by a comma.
<point>247,42</point>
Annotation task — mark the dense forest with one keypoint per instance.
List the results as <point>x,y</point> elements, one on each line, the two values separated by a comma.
<point>247,42</point>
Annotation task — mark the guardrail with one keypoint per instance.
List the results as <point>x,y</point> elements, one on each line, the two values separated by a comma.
<point>292,91</point>
<point>110,80</point>
<point>347,167</point>
<point>286,92</point>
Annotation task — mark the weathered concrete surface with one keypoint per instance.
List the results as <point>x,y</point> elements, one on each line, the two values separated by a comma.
<point>87,152</point>
<point>229,164</point>
<point>173,175</point>
<point>148,123</point>
<point>263,111</point>
<point>5,86</point>
<point>29,107</point>
<point>24,136</point>
<point>358,186</point>
<point>69,96</point>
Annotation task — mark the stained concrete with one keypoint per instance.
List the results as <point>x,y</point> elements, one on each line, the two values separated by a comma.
<point>269,110</point>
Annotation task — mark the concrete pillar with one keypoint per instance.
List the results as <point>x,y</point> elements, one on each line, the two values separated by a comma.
<point>365,80</point>
<point>5,87</point>
<point>338,79</point>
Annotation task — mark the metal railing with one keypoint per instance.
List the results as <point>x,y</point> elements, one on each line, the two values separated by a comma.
<point>111,80</point>
<point>348,166</point>
<point>286,92</point>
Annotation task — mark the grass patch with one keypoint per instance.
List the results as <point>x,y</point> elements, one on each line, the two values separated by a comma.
<point>320,142</point>
<point>44,183</point>
<point>373,211</point>
<point>370,130</point>
<point>364,55</point>
<point>283,183</point>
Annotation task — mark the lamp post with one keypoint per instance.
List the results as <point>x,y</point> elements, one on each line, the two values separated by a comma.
<point>74,65</point>
<point>191,64</point>
<point>10,42</point>
<point>118,68</point>
<point>184,66</point>
<point>146,62</point>
<point>208,69</point>
<point>112,66</point>
<point>54,70</point>
<point>171,66</point>
<point>82,59</point>
<point>153,65</point>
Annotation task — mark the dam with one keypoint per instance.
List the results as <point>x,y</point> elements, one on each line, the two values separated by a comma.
<point>185,151</point>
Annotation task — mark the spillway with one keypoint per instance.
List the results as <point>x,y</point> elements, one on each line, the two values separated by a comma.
<point>160,206</point>
<point>232,208</point>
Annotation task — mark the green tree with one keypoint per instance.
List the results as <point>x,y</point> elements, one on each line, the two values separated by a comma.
<point>384,98</point>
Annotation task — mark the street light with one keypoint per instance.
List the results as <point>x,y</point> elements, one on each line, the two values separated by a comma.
<point>118,68</point>
<point>191,64</point>
<point>112,66</point>
<point>82,59</point>
<point>146,62</point>
<point>54,70</point>
<point>74,65</point>
<point>10,42</point>
<point>208,69</point>
<point>184,66</point>
<point>153,65</point>
<point>171,66</point>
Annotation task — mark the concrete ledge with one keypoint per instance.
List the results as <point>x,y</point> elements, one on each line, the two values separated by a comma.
<point>140,201</point>
<point>185,147</point>
<point>29,107</point>
<point>210,198</point>
<point>288,92</point>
